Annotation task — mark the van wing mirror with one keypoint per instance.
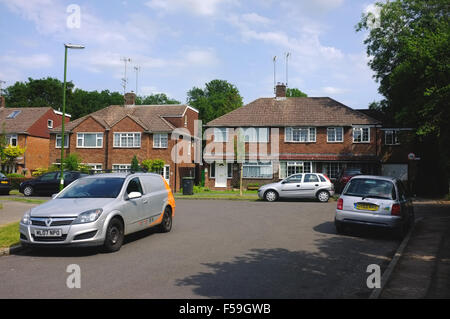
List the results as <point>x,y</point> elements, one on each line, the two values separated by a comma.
<point>134,195</point>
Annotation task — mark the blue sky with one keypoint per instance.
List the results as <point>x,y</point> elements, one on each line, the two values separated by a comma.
<point>180,44</point>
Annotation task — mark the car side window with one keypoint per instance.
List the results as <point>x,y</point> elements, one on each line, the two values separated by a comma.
<point>311,178</point>
<point>322,179</point>
<point>134,186</point>
<point>294,179</point>
<point>48,177</point>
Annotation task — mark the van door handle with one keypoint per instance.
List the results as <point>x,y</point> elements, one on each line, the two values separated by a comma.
<point>317,185</point>
<point>298,185</point>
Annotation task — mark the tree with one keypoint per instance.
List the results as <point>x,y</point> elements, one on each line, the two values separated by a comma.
<point>9,155</point>
<point>155,99</point>
<point>294,92</point>
<point>408,43</point>
<point>135,164</point>
<point>216,99</point>
<point>153,166</point>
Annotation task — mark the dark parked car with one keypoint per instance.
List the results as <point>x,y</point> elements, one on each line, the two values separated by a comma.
<point>345,175</point>
<point>5,187</point>
<point>48,183</point>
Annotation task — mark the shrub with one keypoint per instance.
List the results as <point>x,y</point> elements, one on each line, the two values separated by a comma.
<point>153,165</point>
<point>15,181</point>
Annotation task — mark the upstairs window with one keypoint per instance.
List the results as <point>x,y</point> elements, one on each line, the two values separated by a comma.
<point>220,135</point>
<point>256,134</point>
<point>361,135</point>
<point>127,140</point>
<point>391,137</point>
<point>335,134</point>
<point>59,139</point>
<point>90,140</point>
<point>300,134</point>
<point>161,140</point>
<point>49,123</point>
<point>11,139</point>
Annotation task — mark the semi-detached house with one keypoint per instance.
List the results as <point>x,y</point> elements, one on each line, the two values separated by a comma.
<point>109,138</point>
<point>315,134</point>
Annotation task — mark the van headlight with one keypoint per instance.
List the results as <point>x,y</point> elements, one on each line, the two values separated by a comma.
<point>88,216</point>
<point>26,218</point>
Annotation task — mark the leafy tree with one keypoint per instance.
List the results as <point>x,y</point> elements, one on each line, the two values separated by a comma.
<point>72,162</point>
<point>294,92</point>
<point>216,99</point>
<point>153,165</point>
<point>408,43</point>
<point>135,164</point>
<point>155,99</point>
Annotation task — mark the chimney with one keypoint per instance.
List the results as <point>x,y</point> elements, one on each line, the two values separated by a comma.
<point>2,102</point>
<point>280,91</point>
<point>130,99</point>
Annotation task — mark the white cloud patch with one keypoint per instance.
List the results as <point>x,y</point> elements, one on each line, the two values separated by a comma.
<point>199,7</point>
<point>34,61</point>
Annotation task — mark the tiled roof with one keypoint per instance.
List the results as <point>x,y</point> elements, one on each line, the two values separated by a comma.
<point>150,117</point>
<point>22,121</point>
<point>299,111</point>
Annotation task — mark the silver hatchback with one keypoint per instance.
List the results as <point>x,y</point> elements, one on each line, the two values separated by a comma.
<point>375,201</point>
<point>308,185</point>
<point>99,210</point>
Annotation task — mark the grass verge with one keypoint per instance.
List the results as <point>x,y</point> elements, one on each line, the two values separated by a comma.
<point>9,235</point>
<point>24,200</point>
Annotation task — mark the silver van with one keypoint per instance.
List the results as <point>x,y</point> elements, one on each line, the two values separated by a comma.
<point>308,185</point>
<point>99,210</point>
<point>375,201</point>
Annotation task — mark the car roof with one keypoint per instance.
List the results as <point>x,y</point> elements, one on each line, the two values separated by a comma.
<point>383,178</point>
<point>120,175</point>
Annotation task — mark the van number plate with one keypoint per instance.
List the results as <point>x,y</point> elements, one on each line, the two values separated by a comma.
<point>48,232</point>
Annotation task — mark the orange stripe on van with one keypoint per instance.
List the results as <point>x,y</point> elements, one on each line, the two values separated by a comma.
<point>171,201</point>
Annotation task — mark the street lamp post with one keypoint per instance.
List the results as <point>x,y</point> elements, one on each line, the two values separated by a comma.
<point>66,47</point>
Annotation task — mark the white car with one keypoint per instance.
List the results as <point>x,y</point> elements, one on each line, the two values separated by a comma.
<point>308,185</point>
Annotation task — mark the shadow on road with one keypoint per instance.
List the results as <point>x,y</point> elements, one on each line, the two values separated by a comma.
<point>282,273</point>
<point>361,231</point>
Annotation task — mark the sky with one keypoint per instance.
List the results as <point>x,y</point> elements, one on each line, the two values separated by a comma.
<point>181,44</point>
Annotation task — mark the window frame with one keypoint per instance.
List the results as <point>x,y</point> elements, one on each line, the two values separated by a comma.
<point>159,145</point>
<point>66,140</point>
<point>289,137</point>
<point>127,135</point>
<point>334,128</point>
<point>395,140</point>
<point>224,134</point>
<point>10,138</point>
<point>361,129</point>
<point>97,138</point>
<point>257,164</point>
<point>258,135</point>
<point>126,168</point>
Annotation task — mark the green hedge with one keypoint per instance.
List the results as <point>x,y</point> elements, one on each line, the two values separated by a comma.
<point>15,181</point>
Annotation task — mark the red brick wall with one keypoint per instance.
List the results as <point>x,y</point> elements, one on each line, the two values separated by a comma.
<point>40,128</point>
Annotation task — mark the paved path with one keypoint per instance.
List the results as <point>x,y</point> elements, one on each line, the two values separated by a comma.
<point>13,211</point>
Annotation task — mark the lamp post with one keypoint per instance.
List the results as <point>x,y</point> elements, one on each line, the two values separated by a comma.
<point>66,47</point>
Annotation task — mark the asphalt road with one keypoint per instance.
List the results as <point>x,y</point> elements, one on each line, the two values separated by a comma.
<point>216,249</point>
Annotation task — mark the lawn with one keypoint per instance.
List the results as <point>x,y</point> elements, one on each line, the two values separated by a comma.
<point>9,235</point>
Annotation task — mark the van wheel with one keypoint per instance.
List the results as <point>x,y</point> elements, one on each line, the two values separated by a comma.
<point>166,224</point>
<point>271,196</point>
<point>114,236</point>
<point>28,191</point>
<point>323,196</point>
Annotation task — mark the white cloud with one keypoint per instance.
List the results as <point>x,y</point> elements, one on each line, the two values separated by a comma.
<point>199,7</point>
<point>34,61</point>
<point>330,90</point>
<point>255,18</point>
<point>374,15</point>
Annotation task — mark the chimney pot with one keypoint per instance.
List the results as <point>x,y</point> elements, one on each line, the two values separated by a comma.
<point>130,99</point>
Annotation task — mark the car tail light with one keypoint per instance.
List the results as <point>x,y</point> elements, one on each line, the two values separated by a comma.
<point>326,177</point>
<point>340,204</point>
<point>395,210</point>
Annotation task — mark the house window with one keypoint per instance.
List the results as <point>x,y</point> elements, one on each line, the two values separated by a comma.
<point>13,114</point>
<point>50,124</point>
<point>391,137</point>
<point>90,140</point>
<point>95,167</point>
<point>290,168</point>
<point>220,135</point>
<point>11,139</point>
<point>300,134</point>
<point>117,168</point>
<point>361,135</point>
<point>335,134</point>
<point>332,169</point>
<point>165,172</point>
<point>127,140</point>
<point>160,140</point>
<point>256,135</point>
<point>212,170</point>
<point>58,141</point>
<point>257,170</point>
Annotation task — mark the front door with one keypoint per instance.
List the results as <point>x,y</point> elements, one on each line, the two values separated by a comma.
<point>221,175</point>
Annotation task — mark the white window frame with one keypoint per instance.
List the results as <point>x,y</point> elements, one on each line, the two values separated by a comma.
<point>99,137</point>
<point>335,129</point>
<point>311,132</point>
<point>50,123</point>
<point>258,137</point>
<point>10,138</point>
<point>136,137</point>
<point>157,141</point>
<point>307,167</point>
<point>95,166</point>
<point>59,138</point>
<point>394,133</point>
<point>327,169</point>
<point>258,164</point>
<point>121,167</point>
<point>223,134</point>
<point>361,130</point>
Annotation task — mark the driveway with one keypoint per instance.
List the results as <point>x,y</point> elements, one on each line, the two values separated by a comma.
<point>216,249</point>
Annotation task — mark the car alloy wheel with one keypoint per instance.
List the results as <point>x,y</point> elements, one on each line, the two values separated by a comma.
<point>323,196</point>
<point>28,191</point>
<point>271,196</point>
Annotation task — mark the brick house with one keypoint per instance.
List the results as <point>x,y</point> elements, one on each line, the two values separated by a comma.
<point>109,138</point>
<point>311,134</point>
<point>29,128</point>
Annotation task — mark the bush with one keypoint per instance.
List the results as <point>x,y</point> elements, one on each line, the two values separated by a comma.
<point>15,181</point>
<point>201,189</point>
<point>14,175</point>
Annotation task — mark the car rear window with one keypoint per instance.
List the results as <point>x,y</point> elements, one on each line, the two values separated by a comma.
<point>370,188</point>
<point>94,188</point>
